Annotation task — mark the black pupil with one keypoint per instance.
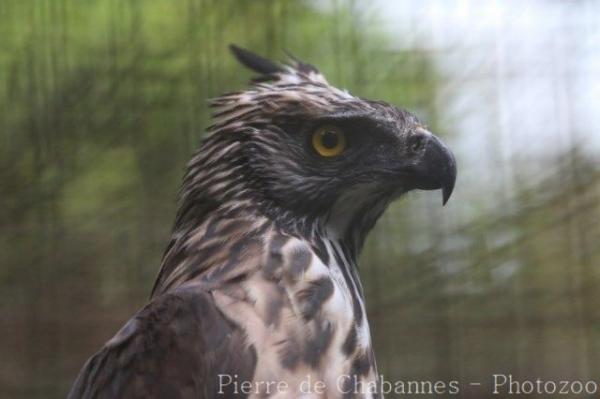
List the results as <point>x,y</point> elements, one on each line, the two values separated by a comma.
<point>329,139</point>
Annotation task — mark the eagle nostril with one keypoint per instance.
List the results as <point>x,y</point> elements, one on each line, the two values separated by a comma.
<point>416,142</point>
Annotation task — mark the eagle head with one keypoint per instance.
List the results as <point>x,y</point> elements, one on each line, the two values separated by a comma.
<point>304,151</point>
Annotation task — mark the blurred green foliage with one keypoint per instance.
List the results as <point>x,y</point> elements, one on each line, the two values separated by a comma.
<point>101,104</point>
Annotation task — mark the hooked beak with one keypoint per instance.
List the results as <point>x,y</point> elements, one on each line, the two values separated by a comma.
<point>430,165</point>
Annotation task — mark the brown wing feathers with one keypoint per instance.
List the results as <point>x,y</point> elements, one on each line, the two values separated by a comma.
<point>173,348</point>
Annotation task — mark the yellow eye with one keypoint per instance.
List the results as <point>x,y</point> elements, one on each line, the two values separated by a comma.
<point>329,141</point>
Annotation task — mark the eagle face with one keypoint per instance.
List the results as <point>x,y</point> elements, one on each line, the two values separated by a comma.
<point>312,151</point>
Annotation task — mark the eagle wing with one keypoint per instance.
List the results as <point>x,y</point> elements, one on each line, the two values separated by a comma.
<point>175,347</point>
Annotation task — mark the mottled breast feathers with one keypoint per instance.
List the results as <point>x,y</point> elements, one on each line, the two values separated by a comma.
<point>247,300</point>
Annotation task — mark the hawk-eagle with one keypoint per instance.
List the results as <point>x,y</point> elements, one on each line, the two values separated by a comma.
<point>258,293</point>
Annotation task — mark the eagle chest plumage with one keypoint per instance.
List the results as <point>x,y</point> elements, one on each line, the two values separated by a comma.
<point>258,293</point>
<point>301,316</point>
<point>301,312</point>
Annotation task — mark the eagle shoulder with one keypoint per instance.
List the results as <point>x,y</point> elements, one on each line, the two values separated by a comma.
<point>175,347</point>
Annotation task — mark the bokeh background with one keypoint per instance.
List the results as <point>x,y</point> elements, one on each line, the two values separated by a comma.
<point>102,102</point>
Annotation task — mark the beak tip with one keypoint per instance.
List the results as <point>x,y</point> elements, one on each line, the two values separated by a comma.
<point>448,187</point>
<point>446,195</point>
